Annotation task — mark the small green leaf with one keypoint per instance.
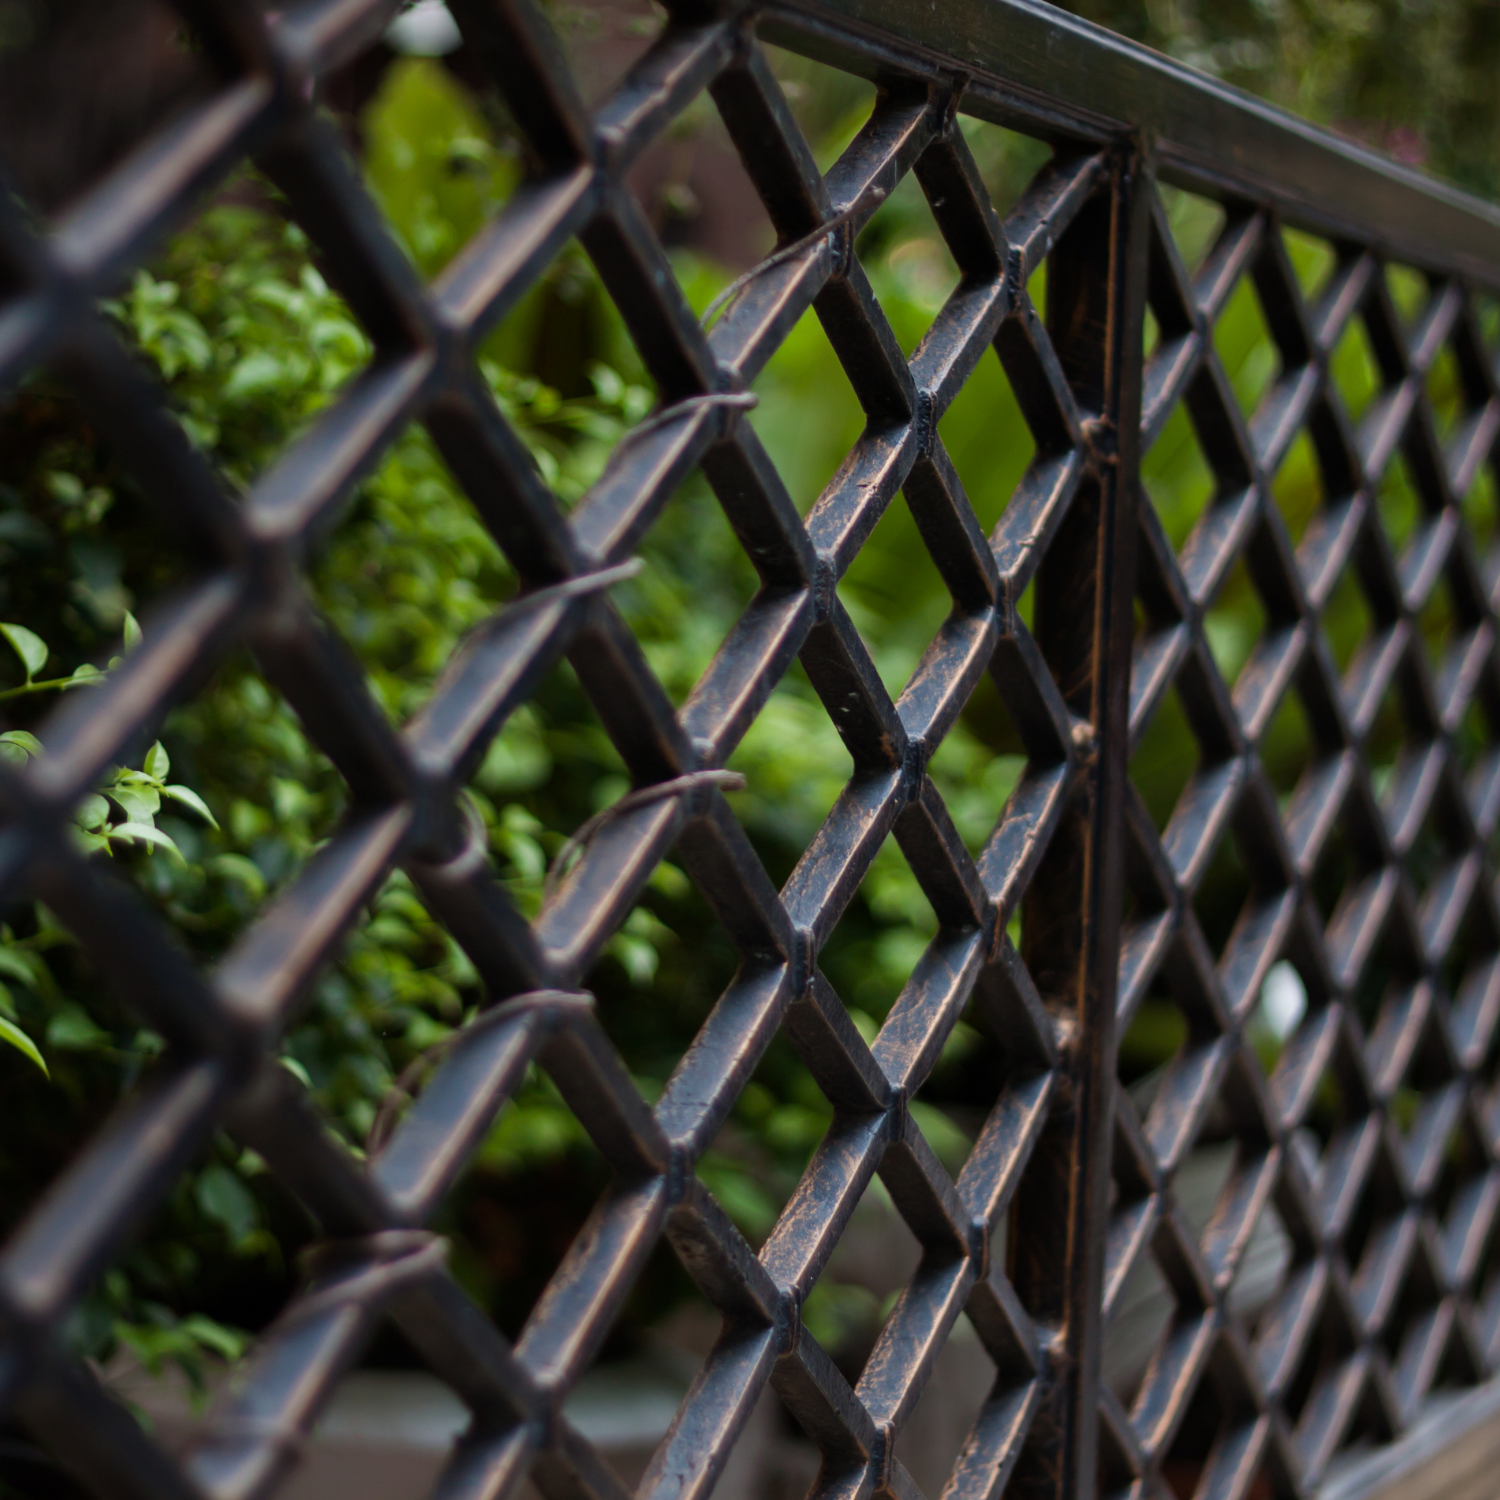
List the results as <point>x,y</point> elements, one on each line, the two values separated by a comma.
<point>9,1032</point>
<point>244,872</point>
<point>157,764</point>
<point>140,804</point>
<point>297,1071</point>
<point>88,672</point>
<point>229,1343</point>
<point>225,1199</point>
<point>152,837</point>
<point>189,798</point>
<point>29,646</point>
<point>17,747</point>
<point>92,812</point>
<point>89,842</point>
<point>72,1029</point>
<point>132,632</point>
<point>20,964</point>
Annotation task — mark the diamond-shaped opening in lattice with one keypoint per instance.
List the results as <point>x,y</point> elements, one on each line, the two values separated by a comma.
<point>1338,867</point>
<point>1480,505</point>
<point>1446,397</point>
<point>1356,374</point>
<point>439,152</point>
<point>1177,477</point>
<point>759,1154</point>
<point>1466,1159</point>
<point>1419,1107</point>
<point>909,263</point>
<point>979,765</point>
<point>1157,1033</point>
<point>1346,619</point>
<point>1221,895</point>
<point>988,439</point>
<point>167,1326</point>
<point>828,104</point>
<point>695,584</point>
<point>601,40</point>
<point>991,1059</point>
<point>1409,291</point>
<point>89,537</point>
<point>882,935</point>
<point>796,766</point>
<point>1195,222</point>
<point>1287,995</point>
<point>1298,488</point>
<point>662,1338</point>
<point>1218,1414</point>
<point>210,1246</point>
<point>659,974</point>
<point>1329,1346</point>
<point>1246,349</point>
<point>1312,259</point>
<point>1116,1473</point>
<point>804,374</point>
<point>1427,1358</point>
<point>1287,747</point>
<point>1393,740</point>
<point>1150,335</point>
<point>1142,1316</point>
<point>1487,318</point>
<point>409,574</point>
<point>1146,895</point>
<point>1397,504</point>
<point>1484,1288</point>
<point>1234,622</point>
<point>956,1392</point>
<point>692,186</point>
<point>1264,1270</point>
<point>207,823</point>
<point>875,1260</point>
<point>567,373</point>
<point>1432,862</point>
<point>249,338</point>
<point>521,1200</point>
<point>1439,622</point>
<point>1472,950</point>
<point>1159,1318</point>
<point>87,85</point>
<point>1222,1189</point>
<point>895,596</point>
<point>1184,1464</point>
<point>1477,745</point>
<point>1330,1086</point>
<point>1007,160</point>
<point>1166,758</point>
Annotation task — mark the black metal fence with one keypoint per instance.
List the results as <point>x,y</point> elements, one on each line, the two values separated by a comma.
<point>1389,1212</point>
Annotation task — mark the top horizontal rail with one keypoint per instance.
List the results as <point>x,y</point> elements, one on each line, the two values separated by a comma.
<point>1033,65</point>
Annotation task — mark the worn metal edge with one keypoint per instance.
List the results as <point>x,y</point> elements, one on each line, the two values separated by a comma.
<point>1453,1453</point>
<point>1032,65</point>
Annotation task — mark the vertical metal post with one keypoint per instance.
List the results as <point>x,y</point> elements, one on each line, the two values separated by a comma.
<point>1071,918</point>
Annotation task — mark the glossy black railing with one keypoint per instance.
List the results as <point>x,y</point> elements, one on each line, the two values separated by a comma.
<point>1387,1213</point>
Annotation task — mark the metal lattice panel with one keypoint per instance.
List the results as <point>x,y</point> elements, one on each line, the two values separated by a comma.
<point>1066,1159</point>
<point>1380,1294</point>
